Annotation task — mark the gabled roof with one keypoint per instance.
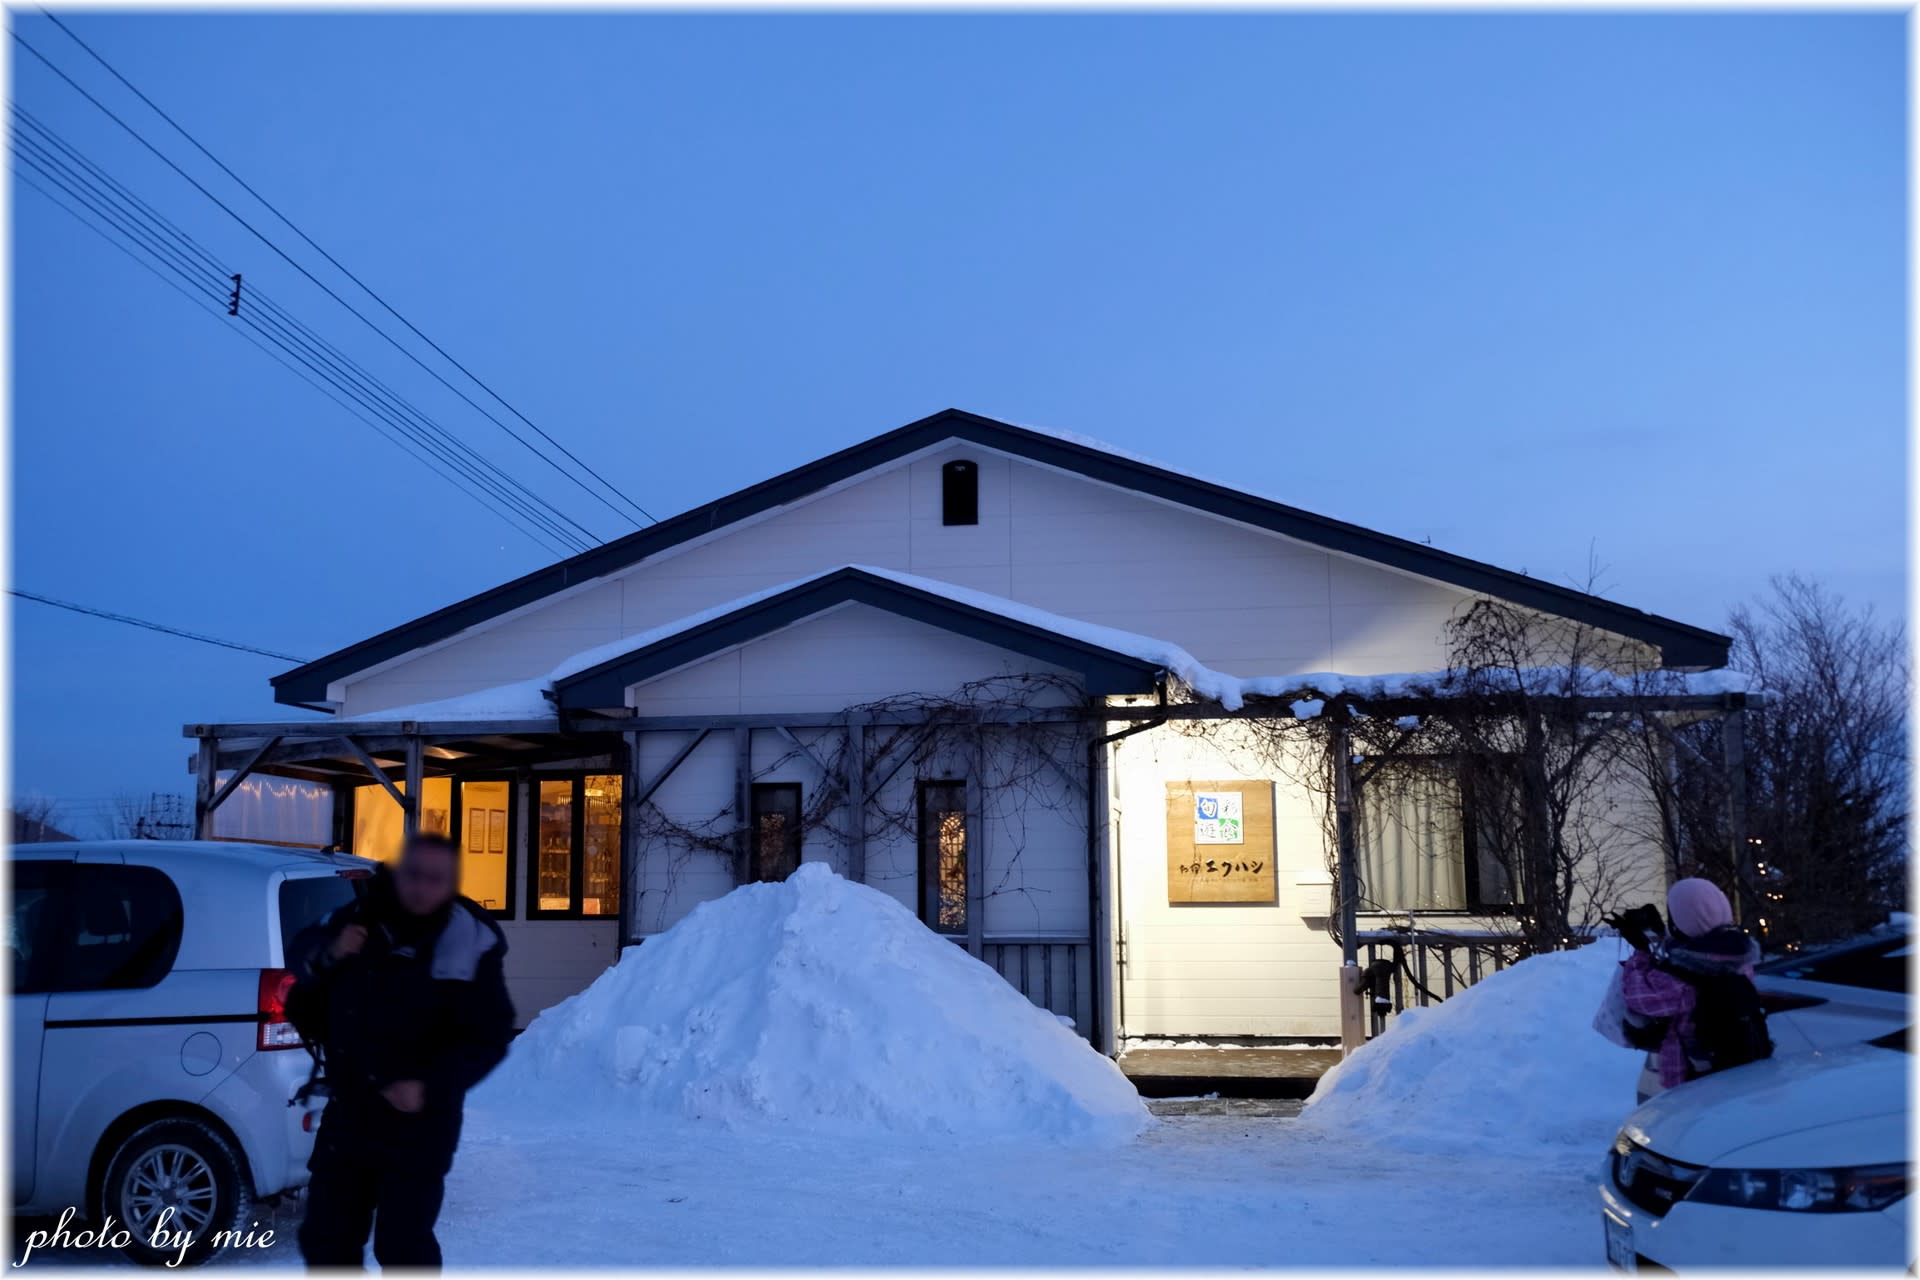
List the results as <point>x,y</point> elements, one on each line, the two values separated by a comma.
<point>1680,645</point>
<point>1110,661</point>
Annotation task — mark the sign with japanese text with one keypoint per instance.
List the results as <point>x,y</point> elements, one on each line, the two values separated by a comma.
<point>1220,842</point>
<point>1217,818</point>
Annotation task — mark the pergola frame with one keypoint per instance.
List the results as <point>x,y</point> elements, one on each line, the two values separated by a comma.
<point>350,753</point>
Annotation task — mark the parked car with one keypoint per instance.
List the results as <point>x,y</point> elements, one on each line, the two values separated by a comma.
<point>153,1065</point>
<point>1799,1160</point>
<point>1841,994</point>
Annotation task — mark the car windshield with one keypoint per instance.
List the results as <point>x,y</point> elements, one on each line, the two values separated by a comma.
<point>309,898</point>
<point>1878,964</point>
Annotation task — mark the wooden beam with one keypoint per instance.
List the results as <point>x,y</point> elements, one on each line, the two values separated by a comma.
<point>239,774</point>
<point>1265,707</point>
<point>645,792</point>
<point>630,870</point>
<point>378,774</point>
<point>416,776</point>
<point>855,785</point>
<point>206,764</point>
<point>742,803</point>
<point>976,848</point>
<point>1340,757</point>
<point>295,729</point>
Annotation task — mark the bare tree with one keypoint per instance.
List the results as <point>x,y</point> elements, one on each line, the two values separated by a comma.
<point>34,820</point>
<point>1826,770</point>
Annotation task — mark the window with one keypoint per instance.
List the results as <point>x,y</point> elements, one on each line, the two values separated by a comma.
<point>774,853</point>
<point>33,924</point>
<point>575,870</point>
<point>475,813</point>
<point>307,900</point>
<point>121,931</point>
<point>960,493</point>
<point>943,856</point>
<point>1417,850</point>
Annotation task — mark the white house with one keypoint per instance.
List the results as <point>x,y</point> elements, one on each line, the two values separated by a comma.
<point>931,660</point>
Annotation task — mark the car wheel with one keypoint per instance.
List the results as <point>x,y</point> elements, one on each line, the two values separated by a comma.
<point>179,1165</point>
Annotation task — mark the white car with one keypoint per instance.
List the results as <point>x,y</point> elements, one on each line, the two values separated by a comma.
<point>1795,1161</point>
<point>1842,994</point>
<point>152,1064</point>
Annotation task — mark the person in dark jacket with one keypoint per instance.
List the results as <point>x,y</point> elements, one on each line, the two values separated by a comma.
<point>1662,982</point>
<point>405,994</point>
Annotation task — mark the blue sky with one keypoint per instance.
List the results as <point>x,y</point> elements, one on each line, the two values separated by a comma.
<point>1529,286</point>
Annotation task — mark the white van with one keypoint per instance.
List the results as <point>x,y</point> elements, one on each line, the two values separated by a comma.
<point>153,1066</point>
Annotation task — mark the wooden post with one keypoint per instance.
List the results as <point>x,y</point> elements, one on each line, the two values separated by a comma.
<point>416,783</point>
<point>856,791</point>
<point>976,847</point>
<point>1353,1030</point>
<point>742,804</point>
<point>1100,995</point>
<point>630,786</point>
<point>205,770</point>
<point>1733,746</point>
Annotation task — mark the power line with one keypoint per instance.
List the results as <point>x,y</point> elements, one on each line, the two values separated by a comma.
<point>424,443</point>
<point>150,626</point>
<point>366,288</point>
<point>397,441</point>
<point>421,449</point>
<point>157,237</point>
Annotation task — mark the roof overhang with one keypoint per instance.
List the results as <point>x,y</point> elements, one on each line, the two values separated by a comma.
<point>1680,645</point>
<point>1106,671</point>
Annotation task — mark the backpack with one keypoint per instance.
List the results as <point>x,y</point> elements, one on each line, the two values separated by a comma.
<point>1729,1022</point>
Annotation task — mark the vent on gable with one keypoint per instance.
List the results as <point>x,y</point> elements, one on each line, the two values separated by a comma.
<point>960,493</point>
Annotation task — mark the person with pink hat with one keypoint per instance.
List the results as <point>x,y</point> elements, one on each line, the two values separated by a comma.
<point>1694,988</point>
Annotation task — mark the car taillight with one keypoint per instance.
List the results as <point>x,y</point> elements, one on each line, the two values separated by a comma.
<point>275,1031</point>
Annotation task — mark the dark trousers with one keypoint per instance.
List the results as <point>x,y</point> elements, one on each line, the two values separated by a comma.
<point>360,1188</point>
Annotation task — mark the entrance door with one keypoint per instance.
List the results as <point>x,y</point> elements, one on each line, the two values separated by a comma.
<point>1217,927</point>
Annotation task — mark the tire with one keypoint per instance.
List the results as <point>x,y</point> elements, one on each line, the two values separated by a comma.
<point>183,1163</point>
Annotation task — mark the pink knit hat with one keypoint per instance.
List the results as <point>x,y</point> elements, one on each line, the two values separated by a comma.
<point>1697,906</point>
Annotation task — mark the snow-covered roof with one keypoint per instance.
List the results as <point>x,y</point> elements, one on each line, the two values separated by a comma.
<point>1681,645</point>
<point>536,698</point>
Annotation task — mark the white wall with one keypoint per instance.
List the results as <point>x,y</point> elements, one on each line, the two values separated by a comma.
<point>1217,969</point>
<point>1030,846</point>
<point>1243,600</point>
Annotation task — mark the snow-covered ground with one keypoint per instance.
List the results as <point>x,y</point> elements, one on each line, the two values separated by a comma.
<point>801,1074</point>
<point>1191,1192</point>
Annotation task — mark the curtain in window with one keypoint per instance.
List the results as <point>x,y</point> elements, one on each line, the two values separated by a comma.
<point>1412,849</point>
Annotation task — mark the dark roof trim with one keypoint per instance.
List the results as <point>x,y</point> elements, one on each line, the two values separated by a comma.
<point>1680,645</point>
<point>1106,671</point>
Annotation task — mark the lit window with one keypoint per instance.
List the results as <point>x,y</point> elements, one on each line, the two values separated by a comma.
<point>471,814</point>
<point>577,847</point>
<point>775,823</point>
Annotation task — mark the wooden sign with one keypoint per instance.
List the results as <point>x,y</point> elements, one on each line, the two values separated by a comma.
<point>1220,842</point>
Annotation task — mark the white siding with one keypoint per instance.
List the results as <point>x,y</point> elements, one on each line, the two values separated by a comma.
<point>1243,600</point>
<point>1219,969</point>
<point>1030,845</point>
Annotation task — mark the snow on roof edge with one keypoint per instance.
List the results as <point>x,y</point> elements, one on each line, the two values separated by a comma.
<point>528,699</point>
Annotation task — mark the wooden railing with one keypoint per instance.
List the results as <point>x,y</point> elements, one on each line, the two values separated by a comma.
<point>1054,973</point>
<point>1430,965</point>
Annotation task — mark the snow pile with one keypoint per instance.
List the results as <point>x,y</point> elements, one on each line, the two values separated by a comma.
<point>1512,1060</point>
<point>814,1004</point>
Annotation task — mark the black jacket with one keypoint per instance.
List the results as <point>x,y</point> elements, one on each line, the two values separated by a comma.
<point>424,999</point>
